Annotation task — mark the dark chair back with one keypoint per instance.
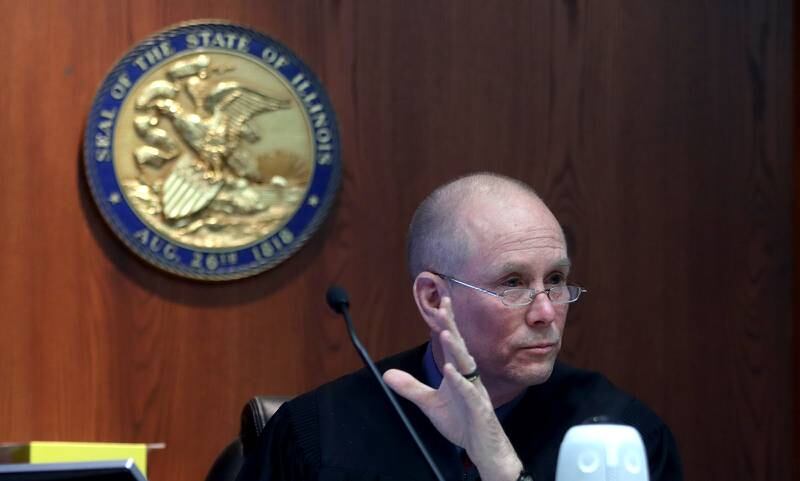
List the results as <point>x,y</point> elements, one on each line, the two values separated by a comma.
<point>255,415</point>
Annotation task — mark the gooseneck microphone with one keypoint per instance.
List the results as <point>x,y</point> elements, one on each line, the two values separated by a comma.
<point>338,301</point>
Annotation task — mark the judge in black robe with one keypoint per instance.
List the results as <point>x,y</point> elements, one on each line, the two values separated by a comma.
<point>347,430</point>
<point>489,264</point>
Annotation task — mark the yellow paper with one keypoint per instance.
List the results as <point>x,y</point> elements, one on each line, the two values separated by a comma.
<point>62,452</point>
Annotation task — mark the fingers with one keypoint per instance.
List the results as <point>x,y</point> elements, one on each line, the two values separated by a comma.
<point>456,353</point>
<point>455,350</point>
<point>407,386</point>
<point>448,318</point>
<point>453,345</point>
<point>465,389</point>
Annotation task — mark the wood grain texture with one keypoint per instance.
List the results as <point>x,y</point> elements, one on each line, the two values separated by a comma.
<point>796,244</point>
<point>659,133</point>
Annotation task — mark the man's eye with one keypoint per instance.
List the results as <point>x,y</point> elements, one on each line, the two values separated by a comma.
<point>556,279</point>
<point>513,282</point>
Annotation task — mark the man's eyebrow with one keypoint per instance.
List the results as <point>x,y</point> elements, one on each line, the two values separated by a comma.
<point>563,263</point>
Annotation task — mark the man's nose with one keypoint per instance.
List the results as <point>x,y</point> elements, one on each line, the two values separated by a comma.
<point>541,310</point>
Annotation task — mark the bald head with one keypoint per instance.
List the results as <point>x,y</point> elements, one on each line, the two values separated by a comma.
<point>438,237</point>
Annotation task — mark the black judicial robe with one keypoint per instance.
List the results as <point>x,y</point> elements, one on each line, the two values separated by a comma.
<point>347,430</point>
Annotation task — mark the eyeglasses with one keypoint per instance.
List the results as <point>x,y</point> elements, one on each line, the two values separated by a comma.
<point>520,296</point>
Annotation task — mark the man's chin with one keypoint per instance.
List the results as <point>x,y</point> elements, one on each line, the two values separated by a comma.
<point>537,373</point>
<point>515,379</point>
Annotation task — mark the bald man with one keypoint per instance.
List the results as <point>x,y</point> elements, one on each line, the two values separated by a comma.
<point>490,267</point>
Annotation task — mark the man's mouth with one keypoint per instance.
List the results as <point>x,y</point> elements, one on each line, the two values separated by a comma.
<point>541,347</point>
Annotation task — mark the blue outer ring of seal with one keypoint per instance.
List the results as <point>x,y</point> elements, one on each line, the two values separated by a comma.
<point>210,264</point>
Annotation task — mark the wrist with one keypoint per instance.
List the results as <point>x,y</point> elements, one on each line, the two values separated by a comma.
<point>514,470</point>
<point>502,468</point>
<point>525,476</point>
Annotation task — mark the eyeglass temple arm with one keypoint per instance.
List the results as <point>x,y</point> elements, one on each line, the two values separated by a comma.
<point>453,279</point>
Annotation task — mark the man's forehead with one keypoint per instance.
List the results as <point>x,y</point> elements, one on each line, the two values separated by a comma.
<point>529,251</point>
<point>514,231</point>
<point>513,203</point>
<point>517,220</point>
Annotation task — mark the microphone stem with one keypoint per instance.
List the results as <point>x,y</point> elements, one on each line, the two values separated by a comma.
<point>365,357</point>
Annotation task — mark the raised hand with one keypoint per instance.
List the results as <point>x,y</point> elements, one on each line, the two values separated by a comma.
<point>461,410</point>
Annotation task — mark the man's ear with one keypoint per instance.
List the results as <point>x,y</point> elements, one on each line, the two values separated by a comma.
<point>428,292</point>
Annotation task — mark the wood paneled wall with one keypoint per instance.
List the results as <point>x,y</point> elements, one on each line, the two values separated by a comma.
<point>659,132</point>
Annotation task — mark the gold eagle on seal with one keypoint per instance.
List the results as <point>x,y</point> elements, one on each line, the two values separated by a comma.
<point>213,132</point>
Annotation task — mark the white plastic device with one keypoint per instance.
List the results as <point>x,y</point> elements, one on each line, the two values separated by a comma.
<point>602,452</point>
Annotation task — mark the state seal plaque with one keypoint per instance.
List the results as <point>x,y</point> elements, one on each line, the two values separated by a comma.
<point>212,151</point>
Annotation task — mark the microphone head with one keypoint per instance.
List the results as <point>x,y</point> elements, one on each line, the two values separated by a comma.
<point>602,452</point>
<point>337,298</point>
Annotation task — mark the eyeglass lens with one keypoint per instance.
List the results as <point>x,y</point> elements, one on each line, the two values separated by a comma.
<point>557,294</point>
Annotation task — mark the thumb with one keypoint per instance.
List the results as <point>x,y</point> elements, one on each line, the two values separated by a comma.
<point>407,386</point>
